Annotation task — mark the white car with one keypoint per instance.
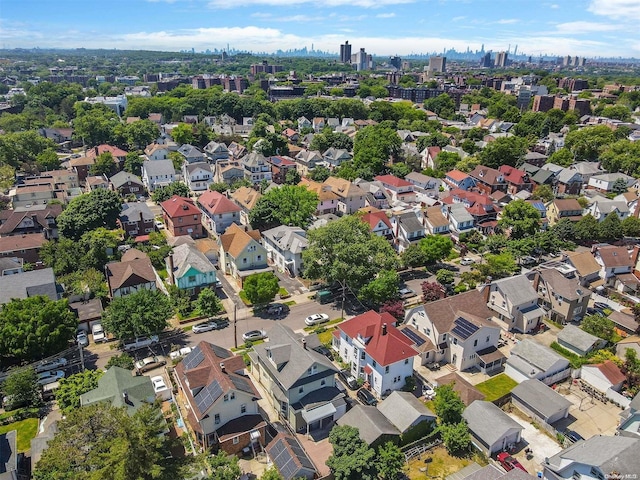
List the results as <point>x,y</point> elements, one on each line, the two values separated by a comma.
<point>50,377</point>
<point>467,261</point>
<point>253,335</point>
<point>158,384</point>
<point>52,365</point>
<point>82,339</point>
<point>316,319</point>
<point>139,342</point>
<point>159,225</point>
<point>98,333</point>
<point>180,353</point>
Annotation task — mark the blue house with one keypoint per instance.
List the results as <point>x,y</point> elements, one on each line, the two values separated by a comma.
<point>190,270</point>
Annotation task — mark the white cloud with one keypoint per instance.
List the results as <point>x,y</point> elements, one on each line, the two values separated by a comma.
<point>457,19</point>
<point>619,9</point>
<point>386,15</point>
<point>507,21</point>
<point>554,6</point>
<point>573,28</point>
<point>293,3</point>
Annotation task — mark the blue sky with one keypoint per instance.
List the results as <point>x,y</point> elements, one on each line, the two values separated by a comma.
<point>383,27</point>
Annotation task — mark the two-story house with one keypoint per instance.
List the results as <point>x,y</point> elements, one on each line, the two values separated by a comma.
<point>604,183</point>
<point>221,400</point>
<point>136,219</point>
<point>157,173</point>
<point>131,274</point>
<point>400,189</point>
<point>458,179</point>
<point>613,261</point>
<point>246,198</point>
<point>456,330</point>
<point>218,211</point>
<point>336,156</point>
<point>29,195</point>
<point>228,171</point>
<point>568,182</point>
<point>126,183</point>
<point>284,245</point>
<point>216,151</point>
<point>36,219</point>
<point>600,207</point>
<point>256,168</point>
<point>307,160</point>
<point>182,217</point>
<point>460,220</point>
<point>379,223</point>
<point>198,176</point>
<point>189,269</point>
<point>424,183</point>
<point>481,207</point>
<point>351,198</point>
<point>559,209</point>
<point>435,222</point>
<point>119,155</point>
<point>517,180</point>
<point>327,199</point>
<point>156,151</point>
<point>280,166</point>
<point>191,154</point>
<point>241,252</point>
<point>488,180</point>
<point>300,381</point>
<point>376,351</point>
<point>303,122</point>
<point>515,302</point>
<point>26,246</point>
<point>377,196</point>
<point>561,295</point>
<point>407,229</point>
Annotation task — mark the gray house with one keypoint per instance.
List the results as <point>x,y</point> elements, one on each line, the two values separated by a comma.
<point>28,284</point>
<point>578,341</point>
<point>121,389</point>
<point>540,401</point>
<point>530,359</point>
<point>491,429</point>
<point>157,173</point>
<point>374,428</point>
<point>191,154</point>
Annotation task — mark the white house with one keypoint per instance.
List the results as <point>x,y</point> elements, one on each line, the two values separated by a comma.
<point>256,168</point>
<point>157,173</point>
<point>530,359</point>
<point>603,376</point>
<point>407,229</point>
<point>284,247</point>
<point>491,429</point>
<point>515,302</point>
<point>460,220</point>
<point>198,176</point>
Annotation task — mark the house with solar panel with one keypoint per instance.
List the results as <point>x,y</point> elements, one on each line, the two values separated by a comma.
<point>458,330</point>
<point>221,400</point>
<point>376,351</point>
<point>289,458</point>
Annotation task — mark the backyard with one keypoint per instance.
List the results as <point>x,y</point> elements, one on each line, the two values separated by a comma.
<point>441,465</point>
<point>496,387</point>
<point>27,429</point>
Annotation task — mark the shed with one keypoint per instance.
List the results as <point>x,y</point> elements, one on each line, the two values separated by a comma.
<point>373,426</point>
<point>603,376</point>
<point>530,359</point>
<point>540,401</point>
<point>289,457</point>
<point>405,411</point>
<point>578,341</point>
<point>491,429</point>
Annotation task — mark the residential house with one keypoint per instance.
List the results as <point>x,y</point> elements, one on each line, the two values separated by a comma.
<point>246,198</point>
<point>318,124</point>
<point>604,377</point>
<point>222,402</point>
<point>284,246</point>
<point>241,252</point>
<point>400,189</point>
<point>560,293</point>
<point>182,217</point>
<point>585,265</point>
<point>61,180</point>
<point>95,183</point>
<point>236,150</point>
<point>216,151</point>
<point>596,458</point>
<point>119,155</point>
<point>630,419</point>
<point>488,180</point>
<point>327,199</point>
<point>198,176</point>
<point>11,266</point>
<point>291,134</point>
<point>11,462</point>
<point>379,223</point>
<point>120,389</point>
<point>131,274</point>
<point>28,284</point>
<point>126,183</point>
<point>190,270</point>
<point>300,381</point>
<point>218,211</point>
<point>540,402</point>
<point>374,428</point>
<point>136,219</point>
<point>568,182</point>
<point>559,209</point>
<point>613,261</point>
<point>40,219</point>
<point>515,302</point>
<point>458,179</point>
<point>530,359</point>
<point>600,207</point>
<point>407,229</point>
<point>307,160</point>
<point>604,183</point>
<point>460,220</point>
<point>333,123</point>
<point>542,210</point>
<point>428,157</point>
<point>88,312</point>
<point>157,152</point>
<point>351,198</point>
<point>625,324</point>
<point>377,196</point>
<point>280,166</point>
<point>290,459</point>
<point>630,198</point>
<point>517,180</point>
<point>491,429</point>
<point>424,182</point>
<point>435,222</point>
<point>481,207</point>
<point>191,154</point>
<point>58,135</point>
<point>81,166</point>
<point>579,342</point>
<point>535,158</point>
<point>335,157</point>
<point>157,173</point>
<point>376,351</point>
<point>26,246</point>
<point>473,471</point>
<point>303,122</point>
<point>228,171</point>
<point>456,330</point>
<point>256,168</point>
<point>29,195</point>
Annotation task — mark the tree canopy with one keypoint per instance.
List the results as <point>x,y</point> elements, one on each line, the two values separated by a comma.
<point>100,208</point>
<point>435,247</point>
<point>291,205</point>
<point>70,389</point>
<point>141,313</point>
<point>504,151</point>
<point>352,459</point>
<point>261,288</point>
<point>161,194</point>
<point>521,218</point>
<point>22,389</point>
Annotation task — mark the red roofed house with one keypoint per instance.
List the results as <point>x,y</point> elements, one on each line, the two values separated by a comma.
<point>222,400</point>
<point>603,376</point>
<point>118,155</point>
<point>480,206</point>
<point>517,180</point>
<point>219,212</point>
<point>379,223</point>
<point>429,155</point>
<point>488,180</point>
<point>182,217</point>
<point>400,190</point>
<point>376,351</point>
<point>280,166</point>
<point>458,179</point>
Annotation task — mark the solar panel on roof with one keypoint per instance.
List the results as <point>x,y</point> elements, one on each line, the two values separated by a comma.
<point>241,383</point>
<point>208,395</point>
<point>193,359</point>
<point>464,328</point>
<point>413,336</point>
<point>219,351</point>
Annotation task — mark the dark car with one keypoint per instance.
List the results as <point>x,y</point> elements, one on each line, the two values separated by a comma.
<point>601,306</point>
<point>367,398</point>
<point>573,435</point>
<point>324,351</point>
<point>348,379</point>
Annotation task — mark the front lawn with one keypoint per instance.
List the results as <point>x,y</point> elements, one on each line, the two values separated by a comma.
<point>27,429</point>
<point>496,387</point>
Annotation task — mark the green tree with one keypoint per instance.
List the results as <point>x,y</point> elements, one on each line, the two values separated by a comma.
<point>292,177</point>
<point>21,149</point>
<point>562,157</point>
<point>22,389</point>
<point>413,256</point>
<point>291,205</point>
<point>588,142</point>
<point>141,313</point>
<point>598,325</point>
<point>498,266</point>
<point>619,186</point>
<point>100,208</point>
<point>94,124</point>
<point>89,282</point>
<point>261,288</point>
<point>504,151</point>
<point>70,389</point>
<point>104,165</point>
<point>543,192</point>
<point>445,277</point>
<point>390,462</point>
<point>351,459</point>
<point>182,134</point>
<point>622,156</point>
<point>208,303</point>
<point>219,187</point>
<point>631,227</point>
<point>456,437</point>
<point>165,193</point>
<point>447,405</point>
<point>346,251</point>
<point>610,228</point>
<point>7,179</point>
<point>436,247</point>
<point>382,288</point>
<point>400,169</point>
<point>123,360</point>
<point>586,229</point>
<point>133,163</point>
<point>47,160</point>
<point>319,174</point>
<point>271,473</point>
<point>521,218</point>
<point>224,467</point>
<point>447,161</point>
<point>373,146</point>
<point>35,327</point>
<point>140,134</point>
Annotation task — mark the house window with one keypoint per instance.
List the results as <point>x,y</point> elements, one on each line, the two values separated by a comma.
<point>576,475</point>
<point>232,395</point>
<point>301,390</point>
<point>243,408</point>
<point>226,398</point>
<point>406,361</point>
<point>386,369</point>
<point>455,341</point>
<point>259,257</point>
<point>322,382</point>
<point>217,419</point>
<point>236,440</point>
<point>577,310</point>
<point>374,364</point>
<point>362,355</point>
<point>180,220</point>
<point>475,342</point>
<point>192,278</point>
<point>244,260</point>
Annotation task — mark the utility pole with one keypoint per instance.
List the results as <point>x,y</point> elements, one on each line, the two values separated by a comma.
<point>81,356</point>
<point>235,325</point>
<point>344,285</point>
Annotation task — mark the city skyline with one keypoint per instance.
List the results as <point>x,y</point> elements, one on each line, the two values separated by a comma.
<point>593,28</point>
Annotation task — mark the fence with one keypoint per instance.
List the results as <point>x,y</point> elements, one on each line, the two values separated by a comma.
<point>617,399</point>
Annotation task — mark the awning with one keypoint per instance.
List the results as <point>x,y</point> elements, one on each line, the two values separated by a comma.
<point>368,370</point>
<point>533,313</point>
<point>319,413</point>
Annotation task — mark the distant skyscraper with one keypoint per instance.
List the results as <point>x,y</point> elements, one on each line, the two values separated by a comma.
<point>486,61</point>
<point>438,64</point>
<point>362,60</point>
<point>396,62</point>
<point>345,53</point>
<point>501,59</point>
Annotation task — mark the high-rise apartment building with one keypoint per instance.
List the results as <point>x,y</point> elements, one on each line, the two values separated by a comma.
<point>362,60</point>
<point>486,61</point>
<point>501,59</point>
<point>396,61</point>
<point>345,52</point>
<point>438,64</point>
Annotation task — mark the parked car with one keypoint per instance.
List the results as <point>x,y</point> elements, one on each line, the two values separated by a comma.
<point>159,225</point>
<point>509,463</point>
<point>158,384</point>
<point>406,293</point>
<point>573,435</point>
<point>180,353</point>
<point>50,377</point>
<point>348,379</point>
<point>253,335</point>
<point>98,333</point>
<point>316,319</point>
<point>528,260</point>
<point>324,351</point>
<point>276,309</point>
<point>427,391</point>
<point>205,327</point>
<point>366,397</point>
<point>467,261</point>
<point>82,339</point>
<point>601,306</point>
<point>149,363</point>
<point>139,342</point>
<point>218,284</point>
<point>51,365</point>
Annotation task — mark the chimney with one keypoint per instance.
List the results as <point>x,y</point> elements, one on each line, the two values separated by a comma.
<point>304,344</point>
<point>486,289</point>
<point>384,329</point>
<point>141,219</point>
<point>536,281</point>
<point>173,278</point>
<point>222,368</point>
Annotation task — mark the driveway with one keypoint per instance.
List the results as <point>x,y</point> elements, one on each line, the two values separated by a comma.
<point>588,416</point>
<point>542,445</point>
